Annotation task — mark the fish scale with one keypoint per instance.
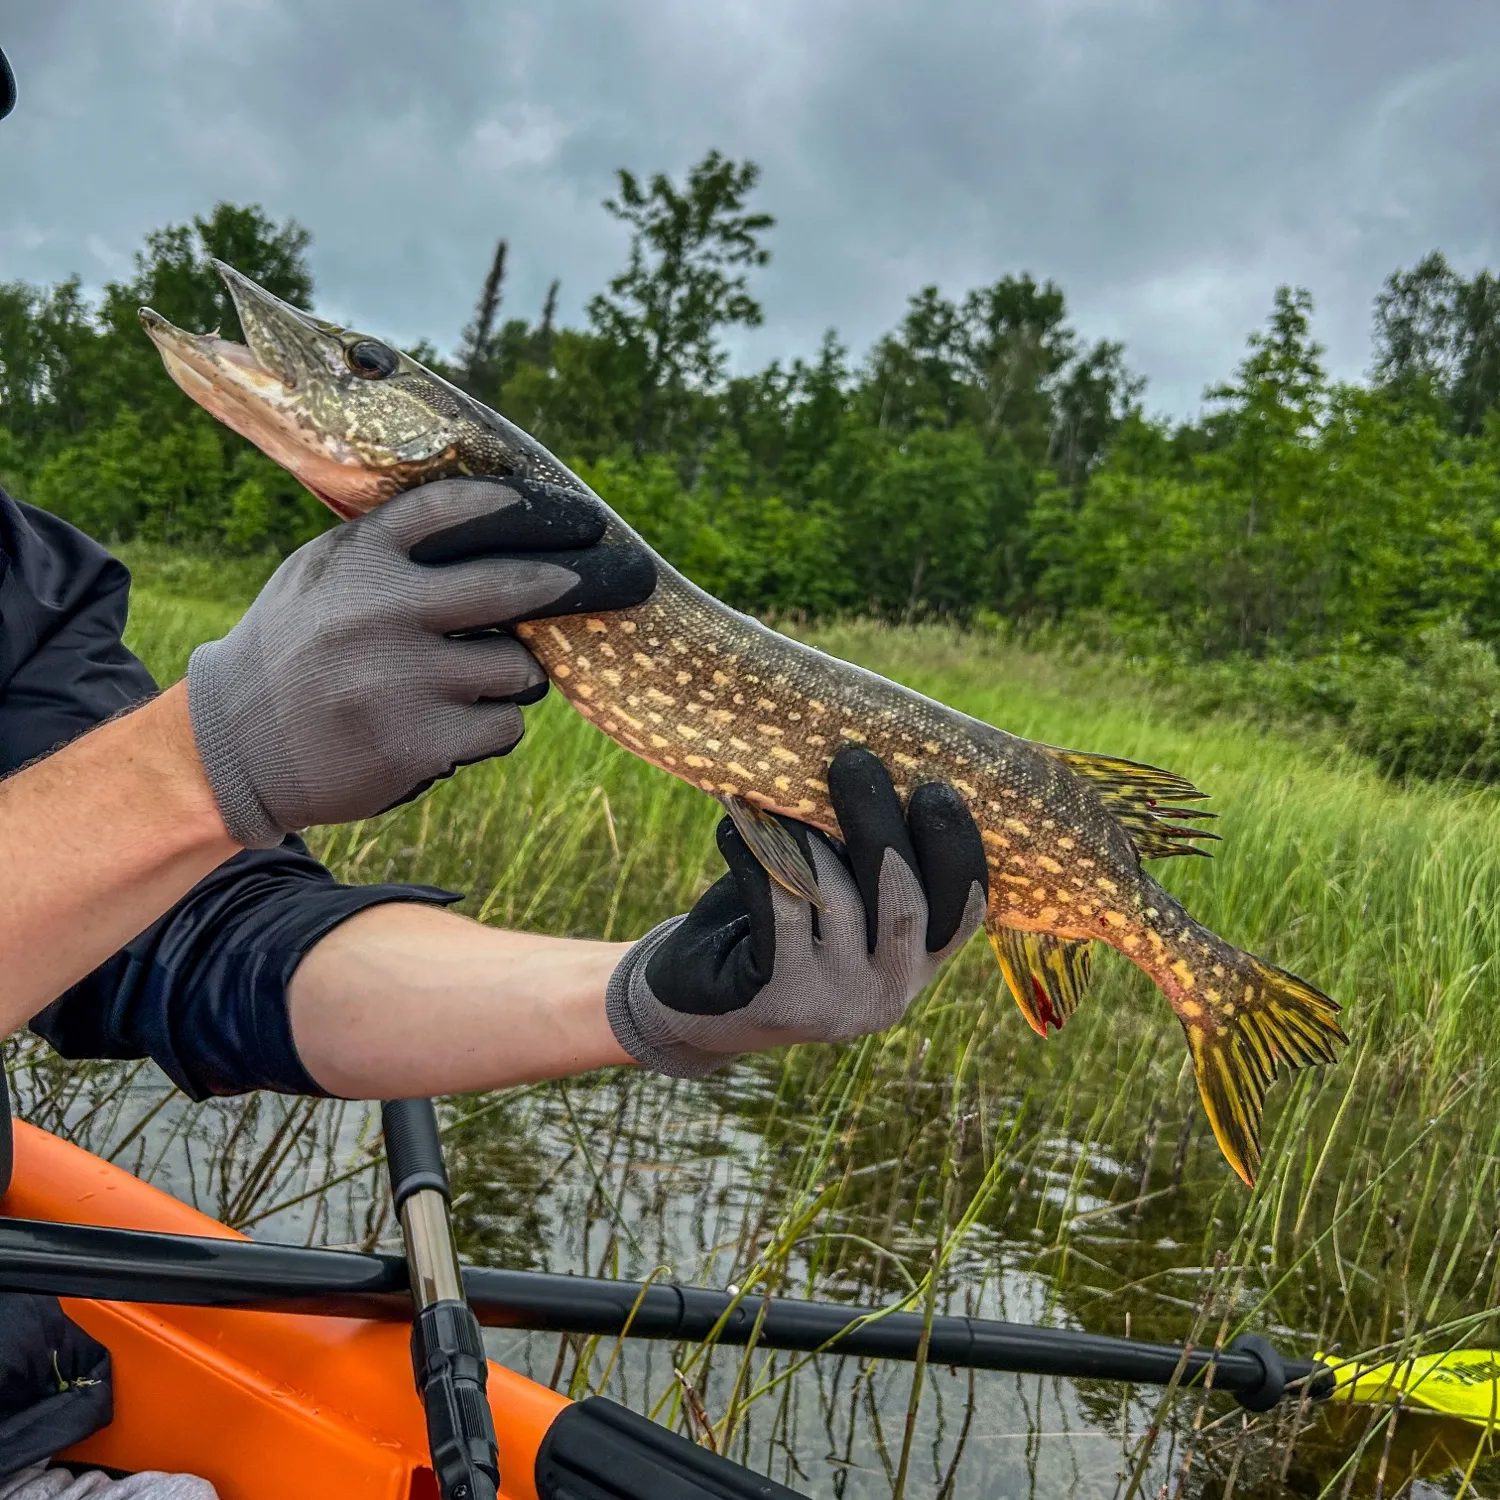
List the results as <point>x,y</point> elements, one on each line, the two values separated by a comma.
<point>754,718</point>
<point>742,712</point>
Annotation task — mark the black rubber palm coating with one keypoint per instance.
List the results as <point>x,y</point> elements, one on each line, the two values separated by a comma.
<point>950,858</point>
<point>546,523</point>
<point>713,968</point>
<point>751,913</point>
<point>872,821</point>
<point>611,576</point>
<point>529,516</point>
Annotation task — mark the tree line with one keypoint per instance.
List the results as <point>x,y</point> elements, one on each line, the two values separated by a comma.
<point>983,460</point>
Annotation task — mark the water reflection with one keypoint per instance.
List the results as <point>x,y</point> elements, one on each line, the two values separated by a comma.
<point>1078,1188</point>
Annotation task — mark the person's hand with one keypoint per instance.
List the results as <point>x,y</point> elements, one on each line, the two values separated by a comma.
<point>752,966</point>
<point>343,692</point>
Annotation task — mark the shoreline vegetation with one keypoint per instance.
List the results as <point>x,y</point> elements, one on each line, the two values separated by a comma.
<point>1316,553</point>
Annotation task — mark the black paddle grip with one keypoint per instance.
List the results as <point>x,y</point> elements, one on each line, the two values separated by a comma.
<point>447,1356</point>
<point>413,1152</point>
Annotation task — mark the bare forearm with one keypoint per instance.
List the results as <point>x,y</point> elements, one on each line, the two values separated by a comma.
<point>96,842</point>
<point>402,1001</point>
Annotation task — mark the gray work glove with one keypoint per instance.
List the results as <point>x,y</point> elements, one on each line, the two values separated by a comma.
<point>752,966</point>
<point>341,692</point>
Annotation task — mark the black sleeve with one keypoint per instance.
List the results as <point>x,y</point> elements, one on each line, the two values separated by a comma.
<point>64,667</point>
<point>203,990</point>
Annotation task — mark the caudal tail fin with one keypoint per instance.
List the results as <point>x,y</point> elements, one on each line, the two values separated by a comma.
<point>1265,1017</point>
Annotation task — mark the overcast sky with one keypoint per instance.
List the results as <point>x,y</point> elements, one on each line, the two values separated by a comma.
<point>1168,162</point>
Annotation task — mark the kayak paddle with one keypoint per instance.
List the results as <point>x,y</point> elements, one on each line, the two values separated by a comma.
<point>447,1348</point>
<point>126,1265</point>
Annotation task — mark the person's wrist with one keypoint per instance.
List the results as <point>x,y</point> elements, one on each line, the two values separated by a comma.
<point>219,737</point>
<point>170,759</point>
<point>642,1025</point>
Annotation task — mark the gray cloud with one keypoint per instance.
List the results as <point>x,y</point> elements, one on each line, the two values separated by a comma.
<point>1168,163</point>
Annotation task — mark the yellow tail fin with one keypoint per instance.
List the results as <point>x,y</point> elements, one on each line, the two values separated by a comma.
<point>1239,1042</point>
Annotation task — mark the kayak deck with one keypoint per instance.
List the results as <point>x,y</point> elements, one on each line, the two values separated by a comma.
<point>266,1406</point>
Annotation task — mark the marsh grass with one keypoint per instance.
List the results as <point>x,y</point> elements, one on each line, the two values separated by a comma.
<point>955,1164</point>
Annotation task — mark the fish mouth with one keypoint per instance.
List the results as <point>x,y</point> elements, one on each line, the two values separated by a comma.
<point>281,340</point>
<point>259,389</point>
<point>209,360</point>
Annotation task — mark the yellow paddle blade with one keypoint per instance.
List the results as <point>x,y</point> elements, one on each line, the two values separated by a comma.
<point>1463,1383</point>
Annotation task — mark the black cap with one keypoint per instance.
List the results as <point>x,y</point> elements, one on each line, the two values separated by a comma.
<point>7,88</point>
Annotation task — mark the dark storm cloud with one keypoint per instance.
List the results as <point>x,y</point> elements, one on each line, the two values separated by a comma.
<point>1168,163</point>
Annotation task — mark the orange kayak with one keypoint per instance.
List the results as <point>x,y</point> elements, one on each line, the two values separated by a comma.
<point>267,1406</point>
<point>291,1406</point>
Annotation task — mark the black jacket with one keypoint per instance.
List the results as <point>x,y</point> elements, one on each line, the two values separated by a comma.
<point>203,990</point>
<point>54,1379</point>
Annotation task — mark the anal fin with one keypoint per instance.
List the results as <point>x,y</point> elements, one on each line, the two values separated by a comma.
<point>1046,974</point>
<point>768,840</point>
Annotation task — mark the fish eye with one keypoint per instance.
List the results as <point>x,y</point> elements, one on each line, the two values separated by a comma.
<point>371,359</point>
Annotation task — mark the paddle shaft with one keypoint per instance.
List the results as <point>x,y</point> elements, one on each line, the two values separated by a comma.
<point>447,1348</point>
<point>74,1260</point>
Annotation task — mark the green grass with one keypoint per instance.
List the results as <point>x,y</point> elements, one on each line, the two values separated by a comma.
<point>956,1160</point>
<point>1387,896</point>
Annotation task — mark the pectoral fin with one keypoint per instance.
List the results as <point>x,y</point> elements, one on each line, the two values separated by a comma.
<point>1046,974</point>
<point>768,840</point>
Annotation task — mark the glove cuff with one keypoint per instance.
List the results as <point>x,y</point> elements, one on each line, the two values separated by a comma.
<point>244,814</point>
<point>641,1023</point>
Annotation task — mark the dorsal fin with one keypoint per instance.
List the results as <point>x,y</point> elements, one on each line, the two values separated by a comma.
<point>1134,793</point>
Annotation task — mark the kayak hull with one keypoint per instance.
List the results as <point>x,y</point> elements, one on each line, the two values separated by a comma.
<point>266,1406</point>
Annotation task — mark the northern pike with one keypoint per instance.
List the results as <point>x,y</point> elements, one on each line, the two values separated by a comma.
<point>753,718</point>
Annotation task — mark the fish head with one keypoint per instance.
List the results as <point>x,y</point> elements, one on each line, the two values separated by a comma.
<point>355,420</point>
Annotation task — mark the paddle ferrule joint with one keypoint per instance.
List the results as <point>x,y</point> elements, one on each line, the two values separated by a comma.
<point>430,1252</point>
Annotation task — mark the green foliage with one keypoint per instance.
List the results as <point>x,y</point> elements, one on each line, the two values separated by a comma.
<point>926,514</point>
<point>92,427</point>
<point>685,281</point>
<point>753,553</point>
<point>1432,711</point>
<point>1437,340</point>
<point>118,483</point>
<point>1307,549</point>
<point>1334,548</point>
<point>1435,713</point>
